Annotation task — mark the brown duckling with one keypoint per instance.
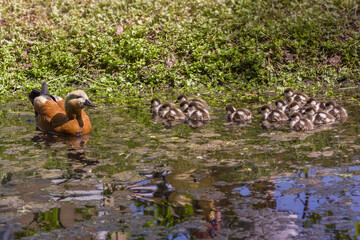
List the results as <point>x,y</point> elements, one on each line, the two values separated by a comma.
<point>242,116</point>
<point>299,123</point>
<point>293,107</point>
<point>196,113</point>
<point>272,115</point>
<point>165,108</point>
<point>230,109</point>
<point>174,114</point>
<point>337,111</point>
<point>184,105</point>
<point>281,105</point>
<point>318,105</point>
<point>320,117</point>
<point>298,97</point>
<point>181,98</point>
<point>155,106</point>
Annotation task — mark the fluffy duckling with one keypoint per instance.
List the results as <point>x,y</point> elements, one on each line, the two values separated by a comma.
<point>184,105</point>
<point>170,112</point>
<point>181,98</point>
<point>335,110</point>
<point>320,117</point>
<point>281,105</point>
<point>299,124</point>
<point>242,116</point>
<point>318,105</point>
<point>174,114</point>
<point>289,93</point>
<point>196,113</point>
<point>272,115</point>
<point>230,110</point>
<point>57,116</point>
<point>294,107</point>
<point>155,106</point>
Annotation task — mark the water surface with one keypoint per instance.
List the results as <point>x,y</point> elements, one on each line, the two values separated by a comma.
<point>135,178</point>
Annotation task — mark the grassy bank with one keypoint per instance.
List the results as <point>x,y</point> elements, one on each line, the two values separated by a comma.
<point>125,48</point>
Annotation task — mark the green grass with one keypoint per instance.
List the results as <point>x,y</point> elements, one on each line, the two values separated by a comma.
<point>125,48</point>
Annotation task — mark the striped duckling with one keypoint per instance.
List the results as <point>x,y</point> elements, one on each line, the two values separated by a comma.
<point>155,107</point>
<point>170,112</point>
<point>319,118</point>
<point>181,98</point>
<point>281,105</point>
<point>335,110</point>
<point>318,105</point>
<point>242,116</point>
<point>272,115</point>
<point>197,113</point>
<point>292,108</point>
<point>298,123</point>
<point>291,95</point>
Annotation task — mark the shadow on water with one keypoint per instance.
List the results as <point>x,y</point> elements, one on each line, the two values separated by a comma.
<point>135,178</point>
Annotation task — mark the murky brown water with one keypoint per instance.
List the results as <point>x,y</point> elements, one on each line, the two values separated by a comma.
<point>137,179</point>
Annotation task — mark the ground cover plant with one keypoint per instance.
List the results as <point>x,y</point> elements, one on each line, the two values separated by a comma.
<point>126,48</point>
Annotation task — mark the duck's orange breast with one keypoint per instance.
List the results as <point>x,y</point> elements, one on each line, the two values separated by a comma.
<point>52,118</point>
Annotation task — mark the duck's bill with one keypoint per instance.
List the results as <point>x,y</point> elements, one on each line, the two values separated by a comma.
<point>89,103</point>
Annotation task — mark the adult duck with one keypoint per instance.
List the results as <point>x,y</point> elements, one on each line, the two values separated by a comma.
<point>58,116</point>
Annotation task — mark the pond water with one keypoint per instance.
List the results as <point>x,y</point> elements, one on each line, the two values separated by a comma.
<point>134,178</point>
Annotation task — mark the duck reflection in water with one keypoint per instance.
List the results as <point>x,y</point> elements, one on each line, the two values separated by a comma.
<point>77,145</point>
<point>52,139</point>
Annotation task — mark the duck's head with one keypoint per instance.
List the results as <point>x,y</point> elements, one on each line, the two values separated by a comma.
<point>165,107</point>
<point>330,105</point>
<point>311,102</point>
<point>288,92</point>
<point>295,116</point>
<point>193,106</point>
<point>230,109</point>
<point>78,99</point>
<point>155,102</point>
<point>310,111</point>
<point>184,106</point>
<point>289,99</point>
<point>280,104</point>
<point>265,109</point>
<point>294,106</point>
<point>181,98</point>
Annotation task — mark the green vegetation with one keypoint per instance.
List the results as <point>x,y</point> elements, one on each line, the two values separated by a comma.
<point>124,48</point>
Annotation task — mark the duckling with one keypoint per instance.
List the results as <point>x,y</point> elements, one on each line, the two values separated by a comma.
<point>230,110</point>
<point>294,107</point>
<point>272,115</point>
<point>318,105</point>
<point>59,116</point>
<point>298,97</point>
<point>184,105</point>
<point>298,123</point>
<point>242,116</point>
<point>155,106</point>
<point>320,117</point>
<point>181,98</point>
<point>174,114</point>
<point>196,113</point>
<point>337,111</point>
<point>170,112</point>
<point>281,105</point>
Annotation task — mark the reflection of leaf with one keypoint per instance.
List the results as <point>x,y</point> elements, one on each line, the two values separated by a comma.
<point>174,138</point>
<point>357,229</point>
